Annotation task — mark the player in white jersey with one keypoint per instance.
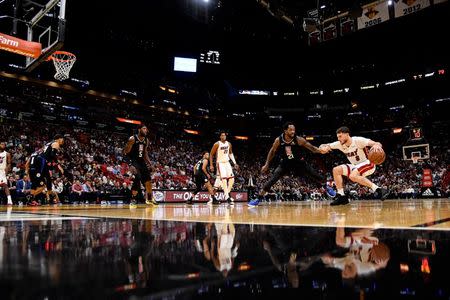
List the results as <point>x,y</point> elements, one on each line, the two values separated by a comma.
<point>355,148</point>
<point>224,152</point>
<point>5,167</point>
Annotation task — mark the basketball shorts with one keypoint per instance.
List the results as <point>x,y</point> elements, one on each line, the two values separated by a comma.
<point>3,177</point>
<point>143,173</point>
<point>225,170</point>
<point>365,168</point>
<point>200,179</point>
<point>39,173</point>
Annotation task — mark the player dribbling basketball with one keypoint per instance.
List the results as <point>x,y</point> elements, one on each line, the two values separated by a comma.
<point>355,148</point>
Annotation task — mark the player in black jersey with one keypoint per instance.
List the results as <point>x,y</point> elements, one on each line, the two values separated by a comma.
<point>38,168</point>
<point>201,178</point>
<point>136,150</point>
<point>288,144</point>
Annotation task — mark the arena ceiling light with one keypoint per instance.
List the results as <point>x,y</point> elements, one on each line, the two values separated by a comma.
<point>254,92</point>
<point>312,117</point>
<point>84,82</point>
<point>169,102</point>
<point>126,92</point>
<point>241,137</point>
<point>395,81</point>
<point>190,131</point>
<point>397,107</point>
<point>356,113</point>
<point>123,120</point>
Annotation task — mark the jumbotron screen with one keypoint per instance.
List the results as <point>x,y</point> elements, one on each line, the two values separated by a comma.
<point>184,64</point>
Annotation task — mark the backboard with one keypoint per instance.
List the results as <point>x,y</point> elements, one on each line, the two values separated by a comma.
<point>34,21</point>
<point>416,152</point>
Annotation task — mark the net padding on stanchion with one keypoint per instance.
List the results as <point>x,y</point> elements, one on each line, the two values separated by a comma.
<point>63,62</point>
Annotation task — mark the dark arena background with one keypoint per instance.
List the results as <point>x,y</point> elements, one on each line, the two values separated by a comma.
<point>238,149</point>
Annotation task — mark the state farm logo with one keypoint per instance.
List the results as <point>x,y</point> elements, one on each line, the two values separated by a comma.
<point>9,42</point>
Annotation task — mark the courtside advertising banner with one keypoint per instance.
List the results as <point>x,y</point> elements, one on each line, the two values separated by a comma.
<point>181,196</point>
<point>374,15</point>
<point>406,7</point>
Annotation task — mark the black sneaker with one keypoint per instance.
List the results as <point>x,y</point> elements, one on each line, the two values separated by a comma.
<point>189,201</point>
<point>381,194</point>
<point>214,201</point>
<point>340,200</point>
<point>230,201</point>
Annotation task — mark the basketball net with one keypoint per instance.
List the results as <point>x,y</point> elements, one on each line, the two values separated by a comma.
<point>63,62</point>
<point>415,159</point>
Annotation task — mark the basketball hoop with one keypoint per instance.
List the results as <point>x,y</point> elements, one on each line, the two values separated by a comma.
<point>415,159</point>
<point>63,62</point>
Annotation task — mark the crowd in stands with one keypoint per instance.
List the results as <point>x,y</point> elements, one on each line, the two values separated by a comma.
<point>95,168</point>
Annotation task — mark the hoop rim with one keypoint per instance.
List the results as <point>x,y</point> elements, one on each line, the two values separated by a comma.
<point>71,56</point>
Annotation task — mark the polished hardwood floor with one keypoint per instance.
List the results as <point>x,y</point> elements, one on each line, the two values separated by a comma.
<point>395,214</point>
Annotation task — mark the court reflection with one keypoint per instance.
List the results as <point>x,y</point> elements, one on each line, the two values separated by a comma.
<point>119,258</point>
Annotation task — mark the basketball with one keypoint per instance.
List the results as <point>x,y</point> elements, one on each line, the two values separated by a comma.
<point>377,157</point>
